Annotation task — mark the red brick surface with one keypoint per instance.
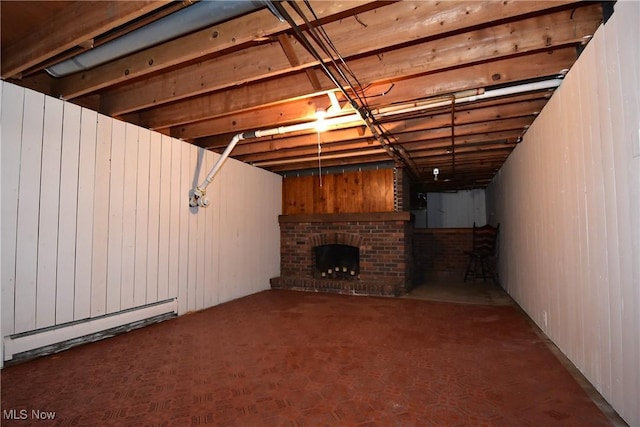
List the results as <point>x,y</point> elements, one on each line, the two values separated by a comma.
<point>386,255</point>
<point>439,252</point>
<point>282,358</point>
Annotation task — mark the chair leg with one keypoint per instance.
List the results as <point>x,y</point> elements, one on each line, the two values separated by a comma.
<point>468,268</point>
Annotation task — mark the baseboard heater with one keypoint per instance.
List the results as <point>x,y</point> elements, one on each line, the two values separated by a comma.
<point>27,345</point>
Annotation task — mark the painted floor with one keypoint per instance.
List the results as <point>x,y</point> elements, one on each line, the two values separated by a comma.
<point>286,358</point>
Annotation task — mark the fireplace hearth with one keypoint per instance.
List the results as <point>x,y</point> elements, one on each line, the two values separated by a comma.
<point>367,254</point>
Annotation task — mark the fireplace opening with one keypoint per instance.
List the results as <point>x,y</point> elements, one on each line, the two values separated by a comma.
<point>335,261</point>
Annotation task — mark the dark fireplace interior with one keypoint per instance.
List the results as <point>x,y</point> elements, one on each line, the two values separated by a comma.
<point>335,261</point>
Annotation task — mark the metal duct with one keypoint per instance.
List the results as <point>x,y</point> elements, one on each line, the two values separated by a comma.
<point>192,18</point>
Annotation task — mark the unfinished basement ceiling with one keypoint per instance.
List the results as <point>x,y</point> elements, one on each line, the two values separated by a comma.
<point>398,65</point>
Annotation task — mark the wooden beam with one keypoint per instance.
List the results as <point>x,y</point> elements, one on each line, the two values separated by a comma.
<point>313,164</point>
<point>262,151</point>
<point>304,151</point>
<point>281,142</point>
<point>288,50</point>
<point>77,23</point>
<point>283,114</point>
<point>267,61</point>
<point>511,136</point>
<point>227,35</point>
<point>239,99</point>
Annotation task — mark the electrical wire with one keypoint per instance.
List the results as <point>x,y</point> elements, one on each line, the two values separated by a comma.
<point>359,103</point>
<point>319,160</point>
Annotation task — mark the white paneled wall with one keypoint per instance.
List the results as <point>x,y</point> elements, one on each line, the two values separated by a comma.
<point>95,218</point>
<point>568,199</point>
<point>455,210</point>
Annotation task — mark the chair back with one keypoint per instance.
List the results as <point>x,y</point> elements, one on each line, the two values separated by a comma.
<point>484,240</point>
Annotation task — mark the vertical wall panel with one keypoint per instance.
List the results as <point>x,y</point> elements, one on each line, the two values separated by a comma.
<point>154,217</point>
<point>203,236</point>
<point>577,272</point>
<point>630,83</point>
<point>164,217</point>
<point>623,121</point>
<point>11,144</point>
<point>186,183</point>
<point>28,206</point>
<point>49,201</point>
<point>142,219</point>
<point>84,230</point>
<point>101,217</point>
<point>129,217</point>
<point>607,64</point>
<point>110,229</point>
<point>2,227</point>
<point>67,214</point>
<point>176,199</point>
<point>216,250</point>
<point>192,247</point>
<point>116,209</point>
<point>209,239</point>
<point>456,210</point>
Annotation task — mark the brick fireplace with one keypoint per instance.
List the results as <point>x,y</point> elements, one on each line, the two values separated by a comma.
<point>363,253</point>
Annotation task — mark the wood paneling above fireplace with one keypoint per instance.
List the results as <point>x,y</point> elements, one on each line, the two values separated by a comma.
<point>347,192</point>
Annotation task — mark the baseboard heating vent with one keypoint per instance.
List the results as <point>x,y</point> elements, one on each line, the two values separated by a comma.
<point>25,346</point>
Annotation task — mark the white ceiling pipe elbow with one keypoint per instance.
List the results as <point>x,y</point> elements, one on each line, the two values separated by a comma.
<point>191,18</point>
<point>197,195</point>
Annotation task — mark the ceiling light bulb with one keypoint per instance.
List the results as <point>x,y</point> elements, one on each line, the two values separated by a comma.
<point>321,124</point>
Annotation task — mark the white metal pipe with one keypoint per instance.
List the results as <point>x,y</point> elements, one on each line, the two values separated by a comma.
<point>505,91</point>
<point>197,196</point>
<point>309,125</point>
<point>191,18</point>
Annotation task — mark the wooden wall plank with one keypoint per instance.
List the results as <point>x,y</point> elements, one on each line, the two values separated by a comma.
<point>48,222</point>
<point>101,217</point>
<point>628,169</point>
<point>68,208</point>
<point>116,216</point>
<point>28,209</point>
<point>609,65</point>
<point>622,131</point>
<point>209,235</point>
<point>346,192</point>
<point>174,218</point>
<point>582,270</point>
<point>200,237</point>
<point>154,217</point>
<point>142,218</point>
<point>97,185</point>
<point>192,260</point>
<point>186,182</point>
<point>164,217</point>
<point>597,295</point>
<point>378,191</point>
<point>84,230</point>
<point>216,250</point>
<point>11,147</point>
<point>129,217</point>
<point>2,227</point>
<point>224,239</point>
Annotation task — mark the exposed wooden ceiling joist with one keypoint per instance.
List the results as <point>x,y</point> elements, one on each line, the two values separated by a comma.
<point>253,72</point>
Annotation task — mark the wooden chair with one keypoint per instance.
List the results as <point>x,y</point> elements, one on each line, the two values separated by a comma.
<point>482,256</point>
